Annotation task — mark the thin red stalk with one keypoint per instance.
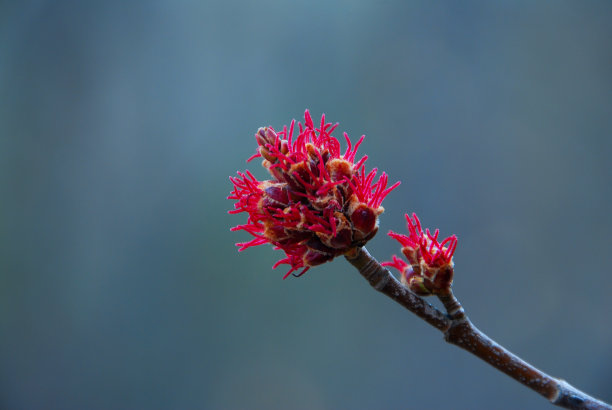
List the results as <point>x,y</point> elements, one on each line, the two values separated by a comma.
<point>458,330</point>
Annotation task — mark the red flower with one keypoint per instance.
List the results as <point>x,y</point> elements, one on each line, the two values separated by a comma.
<point>430,268</point>
<point>319,204</point>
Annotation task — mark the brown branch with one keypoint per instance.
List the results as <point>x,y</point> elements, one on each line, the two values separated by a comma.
<point>382,280</point>
<point>458,330</point>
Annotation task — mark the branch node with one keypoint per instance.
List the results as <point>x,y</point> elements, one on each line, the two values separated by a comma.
<point>453,308</point>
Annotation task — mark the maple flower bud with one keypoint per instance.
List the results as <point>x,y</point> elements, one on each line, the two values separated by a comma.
<point>319,204</point>
<point>430,267</point>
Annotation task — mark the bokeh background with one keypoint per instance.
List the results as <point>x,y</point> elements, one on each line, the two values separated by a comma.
<point>120,122</point>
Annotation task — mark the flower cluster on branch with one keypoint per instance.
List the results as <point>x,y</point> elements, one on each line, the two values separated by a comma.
<point>320,202</point>
<point>430,264</point>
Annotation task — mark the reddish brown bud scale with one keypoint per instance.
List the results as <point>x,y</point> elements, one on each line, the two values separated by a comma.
<point>313,153</point>
<point>339,169</point>
<point>418,285</point>
<point>316,244</point>
<point>294,237</point>
<point>314,258</point>
<point>301,176</point>
<point>275,233</point>
<point>276,173</point>
<point>442,279</point>
<point>413,255</point>
<point>266,154</point>
<point>342,238</point>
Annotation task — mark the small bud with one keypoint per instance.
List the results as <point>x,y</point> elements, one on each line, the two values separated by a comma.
<point>266,137</point>
<point>431,262</point>
<point>363,217</point>
<point>260,137</point>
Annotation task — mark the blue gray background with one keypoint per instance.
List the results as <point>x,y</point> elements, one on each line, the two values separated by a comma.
<point>120,122</point>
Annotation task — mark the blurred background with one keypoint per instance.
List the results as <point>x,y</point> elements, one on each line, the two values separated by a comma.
<point>120,122</point>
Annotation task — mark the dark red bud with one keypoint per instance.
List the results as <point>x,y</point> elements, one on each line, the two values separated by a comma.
<point>312,257</point>
<point>278,194</point>
<point>342,240</point>
<point>364,218</point>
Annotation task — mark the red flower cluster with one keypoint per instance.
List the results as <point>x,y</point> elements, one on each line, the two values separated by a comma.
<point>319,204</point>
<point>430,267</point>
